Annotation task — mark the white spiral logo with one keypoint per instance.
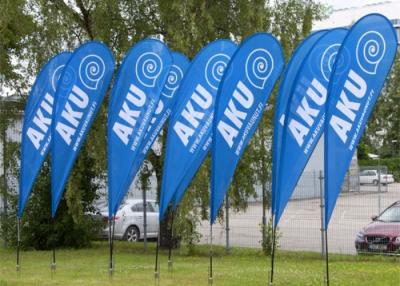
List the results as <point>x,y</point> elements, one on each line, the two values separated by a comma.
<point>328,60</point>
<point>259,66</point>
<point>91,71</point>
<point>56,76</point>
<point>174,79</point>
<point>215,69</point>
<point>66,79</point>
<point>148,68</point>
<point>371,48</point>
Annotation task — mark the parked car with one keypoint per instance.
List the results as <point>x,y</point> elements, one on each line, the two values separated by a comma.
<point>129,222</point>
<point>382,234</point>
<point>371,177</point>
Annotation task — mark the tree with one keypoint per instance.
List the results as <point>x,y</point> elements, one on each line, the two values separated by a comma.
<point>15,26</point>
<point>385,117</point>
<point>56,26</point>
<point>188,28</point>
<point>49,27</point>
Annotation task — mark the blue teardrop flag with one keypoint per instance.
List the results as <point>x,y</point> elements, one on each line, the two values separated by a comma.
<point>164,106</point>
<point>80,92</point>
<point>282,99</point>
<point>190,126</point>
<point>369,49</point>
<point>242,97</point>
<point>36,130</point>
<point>134,98</point>
<point>305,114</point>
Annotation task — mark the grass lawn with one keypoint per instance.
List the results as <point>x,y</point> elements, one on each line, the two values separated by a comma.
<point>242,267</point>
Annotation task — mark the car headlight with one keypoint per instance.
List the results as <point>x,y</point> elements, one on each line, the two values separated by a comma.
<point>360,236</point>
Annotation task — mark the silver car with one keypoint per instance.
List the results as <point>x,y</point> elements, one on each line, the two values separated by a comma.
<point>372,177</point>
<point>129,222</point>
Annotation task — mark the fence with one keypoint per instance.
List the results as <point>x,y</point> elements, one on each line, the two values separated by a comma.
<point>301,224</point>
<point>365,193</point>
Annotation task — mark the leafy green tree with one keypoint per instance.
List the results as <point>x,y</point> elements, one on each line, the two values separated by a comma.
<point>35,30</point>
<point>15,26</point>
<point>189,27</point>
<point>385,117</point>
<point>56,26</point>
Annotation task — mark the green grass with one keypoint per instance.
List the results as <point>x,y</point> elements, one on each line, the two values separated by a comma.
<point>242,267</point>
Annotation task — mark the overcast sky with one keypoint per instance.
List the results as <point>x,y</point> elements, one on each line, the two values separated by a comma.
<point>338,4</point>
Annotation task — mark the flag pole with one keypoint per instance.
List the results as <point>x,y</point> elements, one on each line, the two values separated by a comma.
<point>326,256</point>
<point>111,244</point>
<point>18,243</point>
<point>271,281</point>
<point>170,263</point>
<point>210,271</point>
<point>53,263</point>
<point>156,266</point>
<point>325,230</point>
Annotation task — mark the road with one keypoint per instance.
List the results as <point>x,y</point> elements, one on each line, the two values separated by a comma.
<point>301,222</point>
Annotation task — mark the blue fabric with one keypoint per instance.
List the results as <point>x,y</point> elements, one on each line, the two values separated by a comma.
<point>134,98</point>
<point>368,51</point>
<point>242,97</point>
<point>305,114</point>
<point>282,99</point>
<point>164,108</point>
<point>36,129</point>
<point>190,126</point>
<point>80,92</point>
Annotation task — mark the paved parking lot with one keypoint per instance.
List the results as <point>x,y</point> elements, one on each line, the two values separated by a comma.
<point>301,223</point>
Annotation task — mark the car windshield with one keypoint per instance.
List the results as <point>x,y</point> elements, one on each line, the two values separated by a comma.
<point>391,215</point>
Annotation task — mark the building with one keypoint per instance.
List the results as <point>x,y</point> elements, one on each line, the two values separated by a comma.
<point>345,17</point>
<point>10,131</point>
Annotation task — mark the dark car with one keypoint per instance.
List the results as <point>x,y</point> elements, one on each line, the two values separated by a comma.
<point>382,235</point>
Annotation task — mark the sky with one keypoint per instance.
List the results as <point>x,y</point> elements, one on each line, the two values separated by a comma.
<point>339,4</point>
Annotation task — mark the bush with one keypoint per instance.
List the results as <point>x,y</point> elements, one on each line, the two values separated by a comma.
<point>38,230</point>
<point>266,243</point>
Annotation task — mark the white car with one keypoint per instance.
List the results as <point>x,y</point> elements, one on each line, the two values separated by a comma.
<point>371,177</point>
<point>129,222</point>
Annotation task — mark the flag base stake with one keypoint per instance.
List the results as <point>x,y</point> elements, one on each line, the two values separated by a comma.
<point>271,280</point>
<point>53,265</point>
<point>156,266</point>
<point>326,258</point>
<point>111,225</point>
<point>53,262</point>
<point>210,270</point>
<point>18,267</point>
<point>170,263</point>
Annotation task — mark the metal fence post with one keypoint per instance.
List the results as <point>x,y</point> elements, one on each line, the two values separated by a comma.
<point>144,219</point>
<point>227,247</point>
<point>379,183</point>
<point>5,192</point>
<point>322,207</point>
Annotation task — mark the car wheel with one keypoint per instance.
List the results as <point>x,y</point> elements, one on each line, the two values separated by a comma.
<point>132,234</point>
<point>375,182</point>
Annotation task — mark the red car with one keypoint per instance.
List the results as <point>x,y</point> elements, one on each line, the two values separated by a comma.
<point>382,234</point>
